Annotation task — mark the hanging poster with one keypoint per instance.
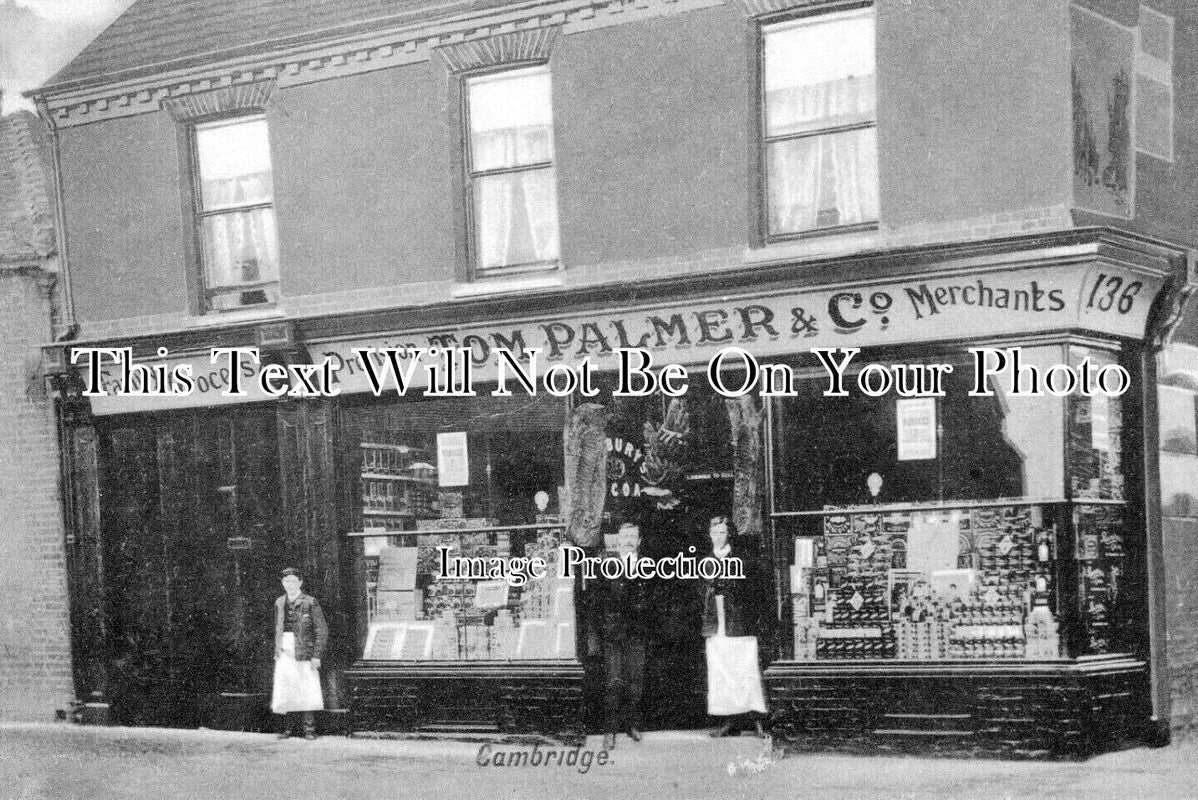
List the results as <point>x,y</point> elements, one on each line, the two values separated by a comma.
<point>453,463</point>
<point>1104,166</point>
<point>916,423</point>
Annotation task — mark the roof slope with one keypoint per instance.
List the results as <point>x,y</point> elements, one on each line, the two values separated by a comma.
<point>154,33</point>
<point>26,210</point>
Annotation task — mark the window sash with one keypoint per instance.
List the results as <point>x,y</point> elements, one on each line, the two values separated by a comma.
<point>234,214</point>
<point>819,72</point>
<point>239,247</point>
<point>509,119</point>
<point>514,215</point>
<point>821,181</point>
<point>233,165</point>
<point>818,125</point>
<point>511,179</point>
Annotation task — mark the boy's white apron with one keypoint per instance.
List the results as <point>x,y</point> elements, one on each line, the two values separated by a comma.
<point>733,674</point>
<point>297,683</point>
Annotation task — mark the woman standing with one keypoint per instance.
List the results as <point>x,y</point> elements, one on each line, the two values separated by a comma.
<point>731,617</point>
<point>300,638</point>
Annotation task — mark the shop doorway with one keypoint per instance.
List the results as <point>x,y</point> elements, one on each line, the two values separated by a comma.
<point>191,545</point>
<point>697,471</point>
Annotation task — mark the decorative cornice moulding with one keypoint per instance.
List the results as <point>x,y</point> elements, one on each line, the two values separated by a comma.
<point>219,101</point>
<point>504,48</point>
<point>350,55</point>
<point>761,8</point>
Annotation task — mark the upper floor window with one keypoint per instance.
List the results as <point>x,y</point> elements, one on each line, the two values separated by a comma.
<point>513,185</point>
<point>820,123</point>
<point>235,212</point>
<point>1154,84</point>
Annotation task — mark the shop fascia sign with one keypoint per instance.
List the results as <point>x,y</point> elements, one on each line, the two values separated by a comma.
<point>1093,297</point>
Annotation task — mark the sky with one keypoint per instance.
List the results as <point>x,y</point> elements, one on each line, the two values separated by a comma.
<point>37,37</point>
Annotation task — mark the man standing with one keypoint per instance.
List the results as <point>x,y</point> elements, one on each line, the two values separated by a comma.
<point>623,618</point>
<point>300,638</point>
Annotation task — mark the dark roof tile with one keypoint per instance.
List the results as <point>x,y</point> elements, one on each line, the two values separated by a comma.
<point>153,34</point>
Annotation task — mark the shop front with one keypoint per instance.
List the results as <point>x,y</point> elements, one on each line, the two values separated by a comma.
<point>961,573</point>
<point>943,569</point>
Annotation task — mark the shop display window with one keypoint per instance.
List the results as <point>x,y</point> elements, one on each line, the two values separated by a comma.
<point>932,584</point>
<point>953,447</point>
<point>1095,438</point>
<point>951,527</point>
<point>415,612</point>
<point>479,478</point>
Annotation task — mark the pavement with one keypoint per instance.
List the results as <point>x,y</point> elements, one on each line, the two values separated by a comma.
<point>65,762</point>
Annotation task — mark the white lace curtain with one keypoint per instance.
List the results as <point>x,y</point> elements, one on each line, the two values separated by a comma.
<point>240,245</point>
<point>822,180</point>
<point>516,218</point>
<point>819,75</point>
<point>511,126</point>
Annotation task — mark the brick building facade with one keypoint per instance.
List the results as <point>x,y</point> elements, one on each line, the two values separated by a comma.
<point>35,665</point>
<point>682,174</point>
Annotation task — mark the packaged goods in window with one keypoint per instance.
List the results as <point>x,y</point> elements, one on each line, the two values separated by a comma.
<point>397,569</point>
<point>397,605</point>
<point>457,524</point>
<point>417,641</point>
<point>1100,553</point>
<point>491,594</point>
<point>451,505</point>
<point>382,641</point>
<point>969,582</point>
<point>1095,447</point>
<point>1042,640</point>
<point>476,618</point>
<point>536,639</point>
<point>806,637</point>
<point>445,637</point>
<point>392,483</point>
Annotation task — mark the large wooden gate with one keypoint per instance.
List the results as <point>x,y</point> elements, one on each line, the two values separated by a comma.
<point>183,571</point>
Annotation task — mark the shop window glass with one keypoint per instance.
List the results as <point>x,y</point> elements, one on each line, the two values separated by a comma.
<point>513,185</point>
<point>235,213</point>
<point>820,123</point>
<point>1177,412</point>
<point>925,584</point>
<point>1095,449</point>
<point>1096,482</point>
<point>827,447</point>
<point>480,476</point>
<point>940,528</point>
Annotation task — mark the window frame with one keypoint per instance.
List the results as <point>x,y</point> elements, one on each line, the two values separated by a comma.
<point>1151,69</point>
<point>762,233</point>
<point>475,271</point>
<point>197,213</point>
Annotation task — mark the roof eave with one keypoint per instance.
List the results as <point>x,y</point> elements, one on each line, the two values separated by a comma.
<point>372,26</point>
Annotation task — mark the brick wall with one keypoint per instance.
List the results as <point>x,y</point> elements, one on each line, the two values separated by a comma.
<point>35,659</point>
<point>1179,502</point>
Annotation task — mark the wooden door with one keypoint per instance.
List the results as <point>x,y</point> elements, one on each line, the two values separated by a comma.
<point>190,525</point>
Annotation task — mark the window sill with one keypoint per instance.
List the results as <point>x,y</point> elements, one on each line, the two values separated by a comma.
<point>829,244</point>
<point>248,314</point>
<point>492,288</point>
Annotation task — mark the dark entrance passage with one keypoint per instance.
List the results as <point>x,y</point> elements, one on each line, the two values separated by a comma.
<point>697,470</point>
<point>191,547</point>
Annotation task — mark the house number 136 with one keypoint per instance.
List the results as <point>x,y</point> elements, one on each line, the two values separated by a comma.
<point>1109,292</point>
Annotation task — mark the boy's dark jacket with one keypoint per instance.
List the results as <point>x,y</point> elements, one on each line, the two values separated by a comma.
<point>311,631</point>
<point>745,611</point>
<point>621,609</point>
